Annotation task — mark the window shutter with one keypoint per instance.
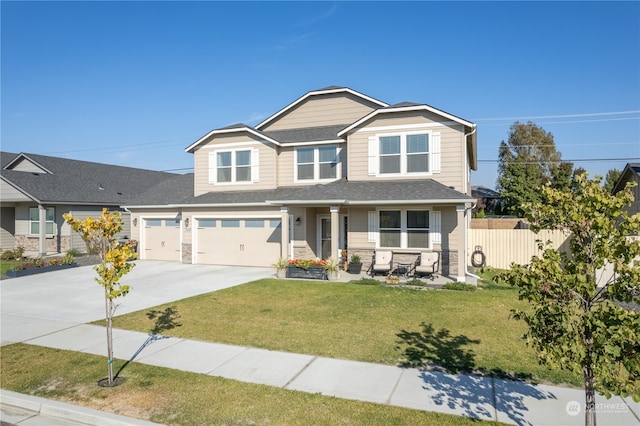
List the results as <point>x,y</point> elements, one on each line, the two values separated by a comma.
<point>212,168</point>
<point>435,152</point>
<point>435,227</point>
<point>373,155</point>
<point>255,162</point>
<point>373,227</point>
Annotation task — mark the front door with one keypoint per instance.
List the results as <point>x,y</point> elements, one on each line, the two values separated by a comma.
<point>324,239</point>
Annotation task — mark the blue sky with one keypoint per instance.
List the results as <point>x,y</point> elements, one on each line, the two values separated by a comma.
<point>135,83</point>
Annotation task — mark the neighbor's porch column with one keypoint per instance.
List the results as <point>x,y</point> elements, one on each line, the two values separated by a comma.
<point>42,219</point>
<point>335,231</point>
<point>284,245</point>
<point>462,244</point>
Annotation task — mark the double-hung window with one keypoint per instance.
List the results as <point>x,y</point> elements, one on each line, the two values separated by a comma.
<point>34,220</point>
<point>316,163</point>
<point>406,153</point>
<point>233,166</point>
<point>404,228</point>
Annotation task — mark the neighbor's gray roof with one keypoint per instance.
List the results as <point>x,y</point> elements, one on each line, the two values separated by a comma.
<point>626,175</point>
<point>79,182</point>
<point>425,191</point>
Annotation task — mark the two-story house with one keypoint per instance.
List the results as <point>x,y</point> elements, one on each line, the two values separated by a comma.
<point>333,170</point>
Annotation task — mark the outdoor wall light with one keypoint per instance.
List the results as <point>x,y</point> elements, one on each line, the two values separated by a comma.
<point>298,220</point>
<point>135,221</point>
<point>186,223</point>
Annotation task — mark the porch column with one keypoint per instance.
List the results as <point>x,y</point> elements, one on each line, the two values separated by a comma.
<point>335,231</point>
<point>42,240</point>
<point>462,244</point>
<point>284,246</point>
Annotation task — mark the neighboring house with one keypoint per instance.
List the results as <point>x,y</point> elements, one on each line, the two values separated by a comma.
<point>631,173</point>
<point>333,170</point>
<point>36,190</point>
<point>487,200</point>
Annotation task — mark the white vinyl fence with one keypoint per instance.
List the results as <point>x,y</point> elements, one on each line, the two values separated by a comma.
<point>501,247</point>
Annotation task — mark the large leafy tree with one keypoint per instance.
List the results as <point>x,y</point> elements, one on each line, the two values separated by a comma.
<point>526,161</point>
<point>99,234</point>
<point>580,315</point>
<point>611,179</point>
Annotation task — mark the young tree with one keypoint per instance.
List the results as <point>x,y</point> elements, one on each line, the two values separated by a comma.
<point>526,162</point>
<point>100,235</point>
<point>576,320</point>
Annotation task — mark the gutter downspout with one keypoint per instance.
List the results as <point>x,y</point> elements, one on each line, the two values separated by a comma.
<point>467,222</point>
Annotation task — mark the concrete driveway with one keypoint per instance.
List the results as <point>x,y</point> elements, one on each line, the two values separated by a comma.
<point>37,305</point>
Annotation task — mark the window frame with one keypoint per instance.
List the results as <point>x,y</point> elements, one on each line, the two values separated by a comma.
<point>233,167</point>
<point>404,155</point>
<point>316,164</point>
<point>47,222</point>
<point>404,229</point>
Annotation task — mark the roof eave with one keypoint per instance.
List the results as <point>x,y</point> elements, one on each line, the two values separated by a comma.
<point>248,129</point>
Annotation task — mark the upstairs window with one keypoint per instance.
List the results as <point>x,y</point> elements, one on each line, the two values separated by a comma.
<point>316,163</point>
<point>34,221</point>
<point>404,154</point>
<point>233,166</point>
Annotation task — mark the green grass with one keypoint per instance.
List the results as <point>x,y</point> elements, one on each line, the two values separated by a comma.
<point>461,331</point>
<point>6,265</point>
<point>175,397</point>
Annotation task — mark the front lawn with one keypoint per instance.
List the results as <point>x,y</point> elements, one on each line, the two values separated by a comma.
<point>6,265</point>
<point>458,330</point>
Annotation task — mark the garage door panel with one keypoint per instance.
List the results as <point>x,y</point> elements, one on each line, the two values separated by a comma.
<point>162,239</point>
<point>244,242</point>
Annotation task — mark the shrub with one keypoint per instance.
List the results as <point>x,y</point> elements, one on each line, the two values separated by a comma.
<point>74,252</point>
<point>415,281</point>
<point>7,255</point>
<point>355,259</point>
<point>366,281</point>
<point>15,254</point>
<point>460,286</point>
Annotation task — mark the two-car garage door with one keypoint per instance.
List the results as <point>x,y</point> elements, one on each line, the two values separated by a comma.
<point>237,241</point>
<point>216,241</point>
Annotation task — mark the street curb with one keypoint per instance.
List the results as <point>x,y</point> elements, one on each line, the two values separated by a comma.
<point>66,411</point>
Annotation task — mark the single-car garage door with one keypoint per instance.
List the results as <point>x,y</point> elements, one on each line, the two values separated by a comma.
<point>161,239</point>
<point>244,241</point>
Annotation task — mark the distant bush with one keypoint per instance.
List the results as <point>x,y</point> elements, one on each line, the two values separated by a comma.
<point>74,252</point>
<point>15,254</point>
<point>416,282</point>
<point>460,286</point>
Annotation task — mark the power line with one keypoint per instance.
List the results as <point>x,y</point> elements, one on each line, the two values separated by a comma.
<point>581,160</point>
<point>593,114</point>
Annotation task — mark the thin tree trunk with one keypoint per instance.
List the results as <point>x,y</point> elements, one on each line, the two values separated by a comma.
<point>108,303</point>
<point>590,397</point>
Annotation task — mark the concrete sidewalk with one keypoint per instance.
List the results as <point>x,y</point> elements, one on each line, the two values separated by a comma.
<point>471,396</point>
<point>53,312</point>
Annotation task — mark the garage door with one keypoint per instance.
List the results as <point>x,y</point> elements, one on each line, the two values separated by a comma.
<point>245,241</point>
<point>161,239</point>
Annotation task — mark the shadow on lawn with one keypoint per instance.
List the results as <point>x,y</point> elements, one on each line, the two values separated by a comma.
<point>163,321</point>
<point>450,377</point>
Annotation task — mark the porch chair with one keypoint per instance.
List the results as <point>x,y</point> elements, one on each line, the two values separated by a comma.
<point>428,263</point>
<point>382,262</point>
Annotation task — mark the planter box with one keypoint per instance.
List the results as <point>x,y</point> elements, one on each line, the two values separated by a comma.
<point>355,268</point>
<point>33,271</point>
<point>311,273</point>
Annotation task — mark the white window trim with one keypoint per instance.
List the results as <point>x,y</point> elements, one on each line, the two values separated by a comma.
<point>253,164</point>
<point>316,165</point>
<point>404,238</point>
<point>433,153</point>
<point>45,223</point>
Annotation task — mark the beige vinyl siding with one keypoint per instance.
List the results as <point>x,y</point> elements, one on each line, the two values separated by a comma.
<point>267,163</point>
<point>84,212</point>
<point>11,194</point>
<point>452,162</point>
<point>26,166</point>
<point>323,110</point>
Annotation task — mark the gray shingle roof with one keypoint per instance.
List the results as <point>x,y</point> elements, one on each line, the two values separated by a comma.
<point>81,182</point>
<point>423,191</point>
<point>308,134</point>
